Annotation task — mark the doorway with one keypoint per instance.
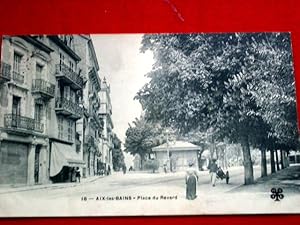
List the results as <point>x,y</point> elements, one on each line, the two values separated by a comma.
<point>37,164</point>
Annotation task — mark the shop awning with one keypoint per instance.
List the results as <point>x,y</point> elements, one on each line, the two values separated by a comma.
<point>64,155</point>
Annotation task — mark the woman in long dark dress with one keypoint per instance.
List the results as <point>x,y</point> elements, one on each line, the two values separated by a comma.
<point>191,179</point>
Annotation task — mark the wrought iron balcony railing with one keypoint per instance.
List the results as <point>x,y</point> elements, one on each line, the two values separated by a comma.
<point>69,76</point>
<point>91,141</point>
<point>17,77</point>
<point>68,107</point>
<point>22,123</point>
<point>44,87</point>
<point>5,73</point>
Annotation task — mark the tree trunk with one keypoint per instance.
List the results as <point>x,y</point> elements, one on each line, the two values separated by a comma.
<point>225,158</point>
<point>248,168</point>
<point>281,159</point>
<point>263,163</point>
<point>272,161</point>
<point>285,159</point>
<point>277,160</point>
<point>142,162</point>
<point>199,155</point>
<point>212,150</point>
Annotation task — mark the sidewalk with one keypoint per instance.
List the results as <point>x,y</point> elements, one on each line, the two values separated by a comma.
<point>13,188</point>
<point>287,179</point>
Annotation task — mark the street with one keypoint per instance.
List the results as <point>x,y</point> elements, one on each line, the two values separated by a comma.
<point>139,183</point>
<point>131,193</point>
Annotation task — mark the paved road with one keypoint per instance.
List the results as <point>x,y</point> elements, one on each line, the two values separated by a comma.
<point>135,193</point>
<point>139,183</point>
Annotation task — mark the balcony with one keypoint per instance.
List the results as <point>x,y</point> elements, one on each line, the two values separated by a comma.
<point>5,73</point>
<point>68,108</point>
<point>68,76</point>
<point>22,124</point>
<point>43,88</point>
<point>98,121</point>
<point>91,141</point>
<point>18,78</point>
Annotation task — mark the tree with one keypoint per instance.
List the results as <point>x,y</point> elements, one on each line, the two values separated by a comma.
<point>142,137</point>
<point>152,164</point>
<point>117,154</point>
<point>214,81</point>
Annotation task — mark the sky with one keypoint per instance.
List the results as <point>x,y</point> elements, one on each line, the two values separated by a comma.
<point>124,67</point>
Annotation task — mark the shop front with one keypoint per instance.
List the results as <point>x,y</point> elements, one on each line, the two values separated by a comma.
<point>63,162</point>
<point>13,162</point>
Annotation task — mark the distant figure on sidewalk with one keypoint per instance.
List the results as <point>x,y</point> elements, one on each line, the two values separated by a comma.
<point>77,174</point>
<point>213,168</point>
<point>124,168</point>
<point>191,179</point>
<point>108,170</point>
<point>165,168</point>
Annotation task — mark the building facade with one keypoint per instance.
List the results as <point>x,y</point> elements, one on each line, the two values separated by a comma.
<point>90,127</point>
<point>106,115</point>
<point>50,120</point>
<point>27,90</point>
<point>65,153</point>
<point>176,156</point>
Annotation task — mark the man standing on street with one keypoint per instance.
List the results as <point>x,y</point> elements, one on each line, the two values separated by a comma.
<point>213,172</point>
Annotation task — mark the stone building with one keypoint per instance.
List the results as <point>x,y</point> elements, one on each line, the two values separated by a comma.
<point>41,90</point>
<point>55,112</point>
<point>65,154</point>
<point>177,155</point>
<point>106,115</point>
<point>90,127</point>
<point>27,91</point>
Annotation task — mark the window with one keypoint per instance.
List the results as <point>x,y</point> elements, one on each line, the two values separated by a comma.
<point>66,92</point>
<point>38,112</point>
<point>16,106</point>
<point>72,95</point>
<point>39,71</point>
<point>60,123</point>
<point>17,62</point>
<point>16,111</point>
<point>61,59</point>
<point>71,65</point>
<point>70,130</point>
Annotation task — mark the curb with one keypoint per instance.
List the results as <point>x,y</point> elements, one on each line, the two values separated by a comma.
<point>50,186</point>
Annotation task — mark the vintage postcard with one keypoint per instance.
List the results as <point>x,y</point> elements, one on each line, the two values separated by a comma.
<point>148,124</point>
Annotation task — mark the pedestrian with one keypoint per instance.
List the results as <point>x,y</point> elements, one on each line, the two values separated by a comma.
<point>213,168</point>
<point>77,174</point>
<point>108,170</point>
<point>191,179</point>
<point>124,168</point>
<point>165,168</point>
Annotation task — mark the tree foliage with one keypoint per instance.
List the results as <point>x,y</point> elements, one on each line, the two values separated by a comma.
<point>152,164</point>
<point>141,137</point>
<point>241,86</point>
<point>117,153</point>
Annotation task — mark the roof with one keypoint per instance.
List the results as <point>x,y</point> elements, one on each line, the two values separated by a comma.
<point>65,47</point>
<point>176,146</point>
<point>37,43</point>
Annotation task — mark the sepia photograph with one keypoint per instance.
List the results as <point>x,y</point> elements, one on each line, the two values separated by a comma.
<point>148,124</point>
